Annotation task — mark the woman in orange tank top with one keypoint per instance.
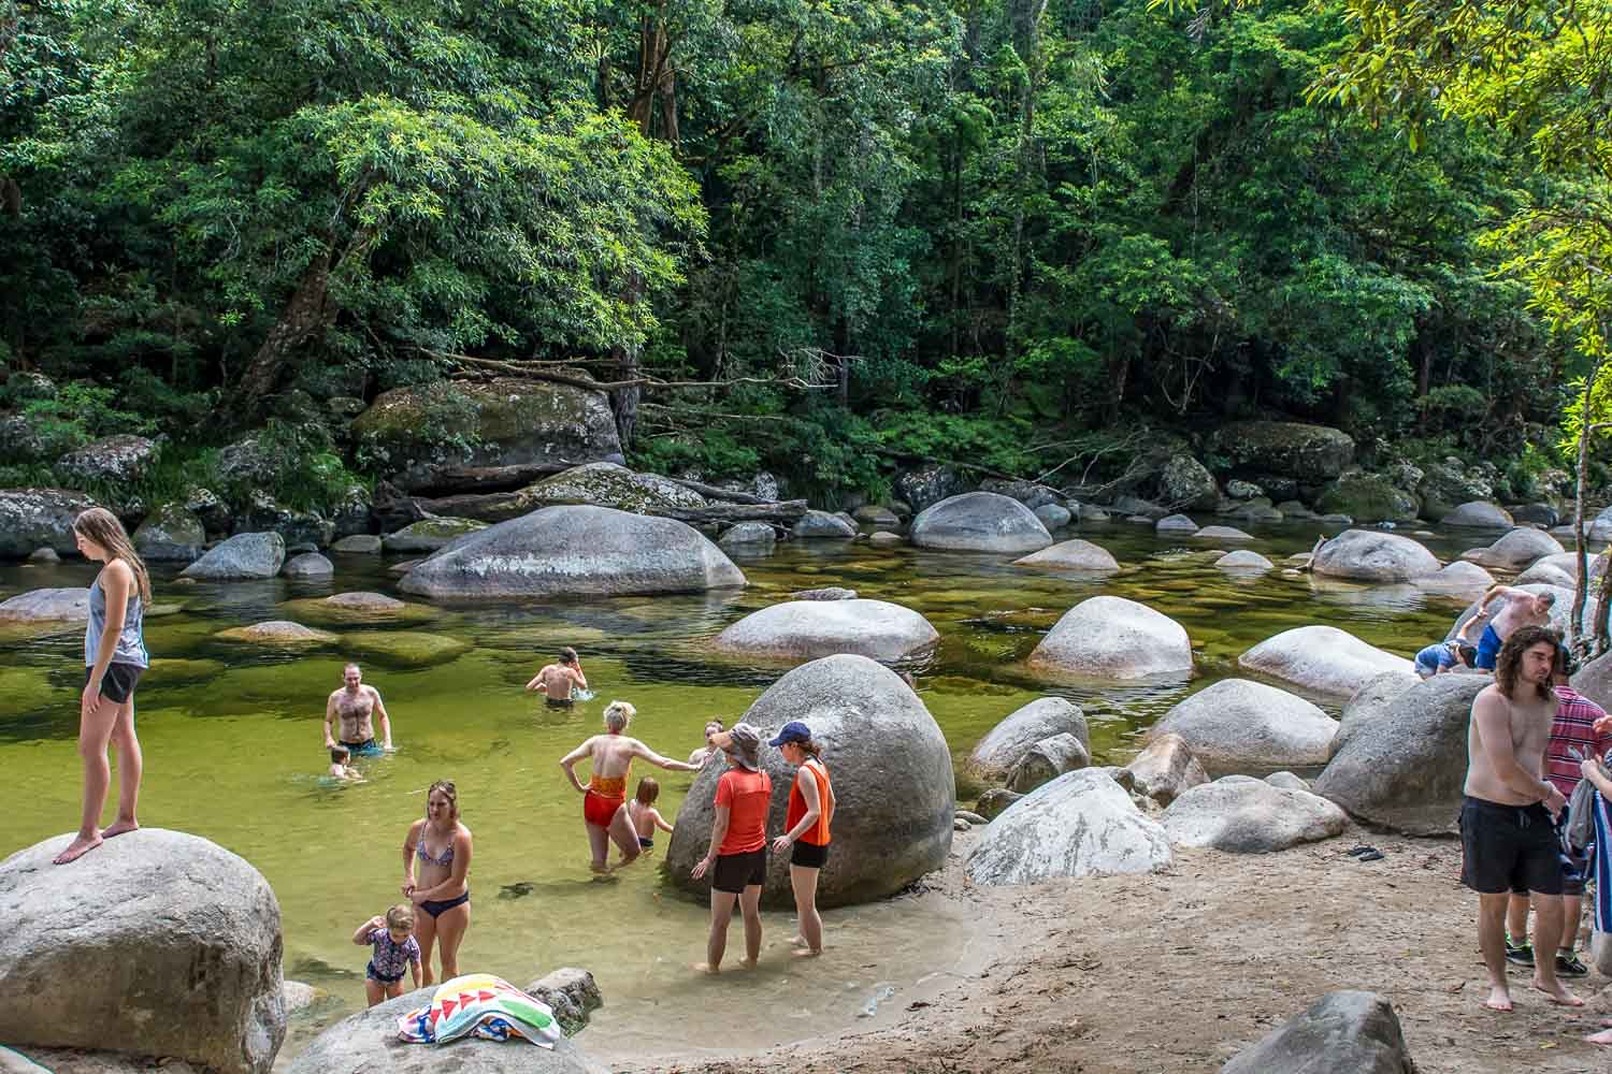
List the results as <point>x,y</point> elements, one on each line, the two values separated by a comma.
<point>806,823</point>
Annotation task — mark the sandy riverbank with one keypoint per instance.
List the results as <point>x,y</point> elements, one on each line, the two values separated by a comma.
<point>1178,971</point>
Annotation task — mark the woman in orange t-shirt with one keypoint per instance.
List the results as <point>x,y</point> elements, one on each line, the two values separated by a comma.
<point>738,846</point>
<point>811,809</point>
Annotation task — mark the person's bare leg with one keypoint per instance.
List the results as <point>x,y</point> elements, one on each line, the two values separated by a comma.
<point>393,990</point>
<point>804,883</point>
<point>717,943</point>
<point>94,731</point>
<point>599,843</point>
<point>425,932</point>
<point>1517,917</point>
<point>131,766</point>
<point>1547,930</point>
<point>451,927</point>
<point>374,991</point>
<point>1492,941</point>
<point>750,905</point>
<point>626,839</point>
<point>1572,914</point>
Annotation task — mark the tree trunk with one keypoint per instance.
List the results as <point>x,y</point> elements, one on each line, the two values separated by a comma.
<point>303,318</point>
<point>656,78</point>
<point>624,401</point>
<point>1581,587</point>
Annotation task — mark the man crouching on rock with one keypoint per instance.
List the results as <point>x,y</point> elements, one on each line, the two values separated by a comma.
<point>1507,835</point>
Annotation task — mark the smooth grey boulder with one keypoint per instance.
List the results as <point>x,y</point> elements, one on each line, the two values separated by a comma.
<point>1054,516</point>
<point>1289,781</point>
<point>1250,817</point>
<point>123,457</point>
<point>1010,740</point>
<point>1321,658</point>
<point>1165,768</point>
<point>170,534</point>
<point>367,1043</point>
<point>1174,526</point>
<point>1374,556</point>
<point>1459,578</point>
<point>574,551</point>
<point>749,537</point>
<point>47,605</point>
<point>608,484</point>
<point>1374,695</point>
<point>893,783</point>
<point>1237,725</point>
<point>822,524</point>
<point>430,534</point>
<point>1594,681</point>
<point>1071,555</point>
<point>1244,560</point>
<point>1403,764</point>
<point>1478,515</point>
<point>1340,1033</point>
<point>1047,760</point>
<point>358,544</point>
<point>1081,824</point>
<point>875,514</point>
<point>1518,549</point>
<point>979,522</point>
<point>39,518</point>
<point>1222,533</point>
<point>245,555</point>
<point>1547,570</point>
<point>1113,638</point>
<point>44,555</point>
<point>310,566</point>
<point>159,941</point>
<point>807,629</point>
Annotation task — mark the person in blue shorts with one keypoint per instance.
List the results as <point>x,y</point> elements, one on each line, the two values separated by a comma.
<point>1448,655</point>
<point>1521,608</point>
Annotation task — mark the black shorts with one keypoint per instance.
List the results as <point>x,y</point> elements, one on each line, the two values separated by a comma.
<point>117,685</point>
<point>809,855</point>
<point>1506,847</point>
<point>559,702</point>
<point>1576,865</point>
<point>735,872</point>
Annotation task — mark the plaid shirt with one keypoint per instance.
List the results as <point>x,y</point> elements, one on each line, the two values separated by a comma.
<point>1574,726</point>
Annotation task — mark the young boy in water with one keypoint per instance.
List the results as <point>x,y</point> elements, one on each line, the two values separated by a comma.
<point>341,765</point>
<point>643,815</point>
<point>395,950</point>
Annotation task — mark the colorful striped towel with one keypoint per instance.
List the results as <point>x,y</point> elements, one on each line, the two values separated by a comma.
<point>481,1005</point>
<point>1603,865</point>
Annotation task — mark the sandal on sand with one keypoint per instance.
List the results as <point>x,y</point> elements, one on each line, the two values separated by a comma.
<point>1371,855</point>
<point>1355,852</point>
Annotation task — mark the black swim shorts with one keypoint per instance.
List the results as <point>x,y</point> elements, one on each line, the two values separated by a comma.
<point>117,685</point>
<point>1506,847</point>
<point>809,855</point>
<point>735,872</point>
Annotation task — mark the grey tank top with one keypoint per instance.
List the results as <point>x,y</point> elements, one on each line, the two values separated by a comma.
<point>131,646</point>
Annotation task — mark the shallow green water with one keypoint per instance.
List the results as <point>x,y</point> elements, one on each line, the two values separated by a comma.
<point>232,741</point>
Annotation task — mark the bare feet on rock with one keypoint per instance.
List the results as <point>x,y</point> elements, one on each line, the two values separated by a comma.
<point>120,827</point>
<point>1558,995</point>
<point>1499,999</point>
<point>1603,1037</point>
<point>77,849</point>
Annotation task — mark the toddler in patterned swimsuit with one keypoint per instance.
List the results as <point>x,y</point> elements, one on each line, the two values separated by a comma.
<point>396,950</point>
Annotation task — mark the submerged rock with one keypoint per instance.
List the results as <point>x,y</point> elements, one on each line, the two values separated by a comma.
<point>979,522</point>
<point>812,628</point>
<point>1244,560</point>
<point>277,633</point>
<point>47,605</point>
<point>1478,515</point>
<point>1081,824</point>
<point>430,534</point>
<point>310,566</point>
<point>403,648</point>
<point>1071,555</point>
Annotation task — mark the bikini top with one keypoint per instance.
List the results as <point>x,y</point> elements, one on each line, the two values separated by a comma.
<point>445,859</point>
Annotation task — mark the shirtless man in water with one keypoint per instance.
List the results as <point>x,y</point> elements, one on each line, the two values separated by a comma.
<point>1507,835</point>
<point>354,707</point>
<point>611,755</point>
<point>556,680</point>
<point>1522,609</point>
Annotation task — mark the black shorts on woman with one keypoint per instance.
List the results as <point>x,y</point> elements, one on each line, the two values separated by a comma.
<point>118,684</point>
<point>735,872</point>
<point>809,855</point>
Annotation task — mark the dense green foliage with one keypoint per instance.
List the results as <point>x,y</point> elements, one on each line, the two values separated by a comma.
<point>1007,234</point>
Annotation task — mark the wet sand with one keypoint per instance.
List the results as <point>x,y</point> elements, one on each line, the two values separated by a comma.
<point>1165,973</point>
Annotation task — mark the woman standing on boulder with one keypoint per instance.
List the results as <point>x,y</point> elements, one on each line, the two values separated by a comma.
<point>806,821</point>
<point>439,846</point>
<point>114,657</point>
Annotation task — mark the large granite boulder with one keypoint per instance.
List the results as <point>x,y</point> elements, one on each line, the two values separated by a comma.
<point>605,484</point>
<point>1307,453</point>
<point>1113,638</point>
<point>1341,1033</point>
<point>894,788</point>
<point>1459,578</point>
<point>1367,498</point>
<point>1374,556</point>
<point>807,629</point>
<point>1071,555</point>
<point>39,518</point>
<point>1244,561</point>
<point>928,484</point>
<point>1081,824</point>
<point>1478,515</point>
<point>1403,764</point>
<point>160,943</point>
<point>1454,481</point>
<point>979,522</point>
<point>265,514</point>
<point>1241,726</point>
<point>1519,548</point>
<point>749,537</point>
<point>1250,816</point>
<point>1010,740</point>
<point>575,551</point>
<point>415,434</point>
<point>309,567</point>
<point>1165,768</point>
<point>823,524</point>
<point>367,1043</point>
<point>245,555</point>
<point>47,606</point>
<point>170,534</point>
<point>429,534</point>
<point>1186,485</point>
<point>1376,694</point>
<point>113,458</point>
<point>1594,681</point>
<point>1323,659</point>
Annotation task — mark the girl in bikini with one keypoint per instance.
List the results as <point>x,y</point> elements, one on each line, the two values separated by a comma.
<point>436,862</point>
<point>611,755</point>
